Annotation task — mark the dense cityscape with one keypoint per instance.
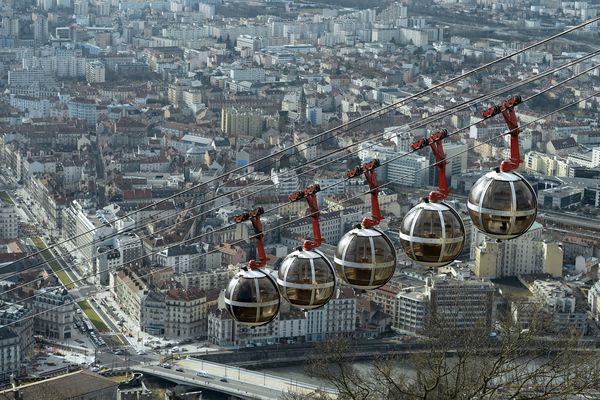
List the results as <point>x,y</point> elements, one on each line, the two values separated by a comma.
<point>149,149</point>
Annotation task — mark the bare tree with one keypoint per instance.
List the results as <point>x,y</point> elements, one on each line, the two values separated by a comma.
<point>533,363</point>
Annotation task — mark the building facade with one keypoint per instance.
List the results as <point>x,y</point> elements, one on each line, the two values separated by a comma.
<point>53,308</point>
<point>9,221</point>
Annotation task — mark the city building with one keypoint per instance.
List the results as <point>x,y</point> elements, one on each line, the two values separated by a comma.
<point>246,122</point>
<point>527,254</point>
<point>9,221</point>
<point>247,74</point>
<point>560,197</point>
<point>107,259</point>
<point>129,291</point>
<point>334,318</point>
<point>53,309</point>
<point>81,385</point>
<point>559,304</point>
<point>95,72</point>
<point>408,170</point>
<point>186,312</point>
<point>88,230</point>
<point>81,108</point>
<point>182,259</point>
<point>411,310</point>
<point>18,319</point>
<point>10,354</point>
<point>456,305</point>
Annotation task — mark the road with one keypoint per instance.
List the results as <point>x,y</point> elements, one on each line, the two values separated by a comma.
<point>231,380</point>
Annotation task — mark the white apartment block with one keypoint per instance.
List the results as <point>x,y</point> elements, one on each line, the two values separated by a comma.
<point>83,109</point>
<point>108,259</point>
<point>129,245</point>
<point>88,232</point>
<point>9,222</point>
<point>336,317</point>
<point>596,156</point>
<point>69,63</point>
<point>25,77</point>
<point>456,153</point>
<point>527,254</point>
<point>286,181</point>
<point>248,74</point>
<point>554,294</point>
<point>410,310</point>
<point>410,170</point>
<point>206,10</point>
<point>192,97</point>
<point>182,259</point>
<point>35,107</point>
<point>95,72</point>
<point>560,303</point>
<point>292,325</point>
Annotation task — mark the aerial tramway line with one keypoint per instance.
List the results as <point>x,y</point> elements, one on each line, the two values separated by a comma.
<point>257,323</point>
<point>301,170</point>
<point>501,204</point>
<point>394,158</point>
<point>350,124</point>
<point>507,219</point>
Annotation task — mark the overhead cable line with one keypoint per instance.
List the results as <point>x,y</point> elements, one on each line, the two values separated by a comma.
<point>377,113</point>
<point>290,222</point>
<point>422,123</point>
<point>536,120</point>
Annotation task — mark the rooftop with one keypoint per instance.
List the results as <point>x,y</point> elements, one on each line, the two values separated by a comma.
<point>75,385</point>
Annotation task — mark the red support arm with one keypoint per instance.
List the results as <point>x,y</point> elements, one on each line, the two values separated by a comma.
<point>507,109</point>
<point>510,117</point>
<point>369,170</point>
<point>310,194</point>
<point>254,217</point>
<point>435,142</point>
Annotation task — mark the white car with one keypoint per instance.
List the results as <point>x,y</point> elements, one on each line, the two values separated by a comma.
<point>203,374</point>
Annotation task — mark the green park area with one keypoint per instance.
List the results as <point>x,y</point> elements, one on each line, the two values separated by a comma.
<point>6,198</point>
<point>63,277</point>
<point>93,316</point>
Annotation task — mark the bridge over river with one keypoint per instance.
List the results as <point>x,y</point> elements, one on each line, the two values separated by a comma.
<point>230,380</point>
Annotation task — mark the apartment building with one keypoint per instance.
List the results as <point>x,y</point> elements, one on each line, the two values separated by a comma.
<point>336,317</point>
<point>95,72</point>
<point>456,305</point>
<point>21,324</point>
<point>9,221</point>
<point>53,309</point>
<point>527,254</point>
<point>10,354</point>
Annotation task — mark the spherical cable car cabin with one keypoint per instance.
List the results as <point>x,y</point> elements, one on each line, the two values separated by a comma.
<point>502,204</point>
<point>365,257</point>
<point>306,277</point>
<point>432,233</point>
<point>252,297</point>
